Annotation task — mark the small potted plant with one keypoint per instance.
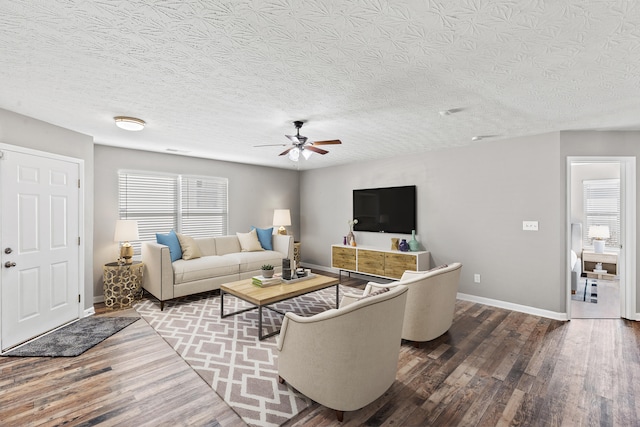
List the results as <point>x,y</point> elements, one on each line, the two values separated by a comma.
<point>267,271</point>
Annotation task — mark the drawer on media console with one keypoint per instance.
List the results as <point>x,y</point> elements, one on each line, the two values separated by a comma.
<point>371,262</point>
<point>396,264</point>
<point>343,257</point>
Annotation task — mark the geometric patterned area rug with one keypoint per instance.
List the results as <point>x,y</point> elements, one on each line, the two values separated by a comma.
<point>74,338</point>
<point>227,353</point>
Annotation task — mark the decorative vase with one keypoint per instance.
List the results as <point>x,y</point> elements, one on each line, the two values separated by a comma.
<point>351,239</point>
<point>403,246</point>
<point>414,245</point>
<point>344,240</point>
<point>394,243</point>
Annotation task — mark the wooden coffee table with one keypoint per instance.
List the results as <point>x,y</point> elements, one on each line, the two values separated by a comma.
<point>262,297</point>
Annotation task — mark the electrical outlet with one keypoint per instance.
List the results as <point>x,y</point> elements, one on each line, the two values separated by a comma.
<point>476,278</point>
<point>530,225</point>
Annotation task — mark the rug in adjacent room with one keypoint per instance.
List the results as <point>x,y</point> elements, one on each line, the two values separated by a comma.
<point>591,295</point>
<point>227,354</point>
<point>73,339</point>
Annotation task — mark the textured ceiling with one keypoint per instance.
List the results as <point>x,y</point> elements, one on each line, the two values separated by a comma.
<point>215,78</point>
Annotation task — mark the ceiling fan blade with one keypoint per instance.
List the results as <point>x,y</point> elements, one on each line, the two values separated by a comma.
<point>293,139</point>
<point>271,145</point>
<point>315,150</point>
<point>329,142</point>
<point>286,151</point>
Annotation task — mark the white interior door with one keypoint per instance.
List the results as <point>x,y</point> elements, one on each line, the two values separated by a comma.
<point>40,245</point>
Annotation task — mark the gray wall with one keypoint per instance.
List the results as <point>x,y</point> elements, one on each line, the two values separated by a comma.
<point>23,131</point>
<point>254,192</point>
<point>471,204</point>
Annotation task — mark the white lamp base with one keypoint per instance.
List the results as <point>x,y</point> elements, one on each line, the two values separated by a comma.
<point>598,246</point>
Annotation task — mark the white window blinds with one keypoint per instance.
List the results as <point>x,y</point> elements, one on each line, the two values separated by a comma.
<point>192,205</point>
<point>203,204</point>
<point>602,207</point>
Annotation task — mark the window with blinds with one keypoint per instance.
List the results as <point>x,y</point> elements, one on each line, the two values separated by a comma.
<point>602,207</point>
<point>192,205</point>
<point>203,206</point>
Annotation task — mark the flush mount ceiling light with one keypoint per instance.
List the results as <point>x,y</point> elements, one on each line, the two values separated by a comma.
<point>481,137</point>
<point>449,112</point>
<point>129,123</point>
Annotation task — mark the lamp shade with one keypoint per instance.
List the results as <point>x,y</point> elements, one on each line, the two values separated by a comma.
<point>599,232</point>
<point>126,230</point>
<point>281,217</point>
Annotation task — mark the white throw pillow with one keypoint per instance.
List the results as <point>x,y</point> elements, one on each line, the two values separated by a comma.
<point>249,241</point>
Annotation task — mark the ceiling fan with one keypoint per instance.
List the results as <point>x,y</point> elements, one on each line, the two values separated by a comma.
<point>300,145</point>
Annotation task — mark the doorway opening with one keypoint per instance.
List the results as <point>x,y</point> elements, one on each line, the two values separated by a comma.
<point>601,207</point>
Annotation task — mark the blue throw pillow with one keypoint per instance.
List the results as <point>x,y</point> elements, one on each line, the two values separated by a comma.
<point>172,241</point>
<point>264,236</point>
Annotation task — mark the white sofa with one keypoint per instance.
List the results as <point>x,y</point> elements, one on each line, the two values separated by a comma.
<point>222,261</point>
<point>344,358</point>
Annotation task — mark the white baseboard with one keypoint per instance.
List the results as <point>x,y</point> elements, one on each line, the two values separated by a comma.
<point>466,297</point>
<point>481,300</point>
<point>320,267</point>
<point>89,312</point>
<point>514,307</point>
<point>97,299</point>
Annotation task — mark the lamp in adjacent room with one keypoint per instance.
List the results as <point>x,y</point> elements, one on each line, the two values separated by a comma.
<point>126,230</point>
<point>599,234</point>
<point>281,218</point>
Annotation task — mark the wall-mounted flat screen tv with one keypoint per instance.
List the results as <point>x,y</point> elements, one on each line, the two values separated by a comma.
<point>385,210</point>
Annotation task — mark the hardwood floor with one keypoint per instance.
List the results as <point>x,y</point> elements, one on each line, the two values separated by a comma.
<point>493,367</point>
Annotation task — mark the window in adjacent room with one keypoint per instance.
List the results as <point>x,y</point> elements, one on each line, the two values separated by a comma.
<point>602,207</point>
<point>193,205</point>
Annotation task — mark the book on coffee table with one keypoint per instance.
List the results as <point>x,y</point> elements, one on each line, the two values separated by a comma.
<point>264,282</point>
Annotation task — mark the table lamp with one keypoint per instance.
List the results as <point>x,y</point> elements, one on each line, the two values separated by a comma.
<point>282,218</point>
<point>126,230</point>
<point>599,234</point>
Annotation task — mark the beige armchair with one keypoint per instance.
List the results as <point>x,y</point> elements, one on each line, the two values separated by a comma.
<point>431,301</point>
<point>344,358</point>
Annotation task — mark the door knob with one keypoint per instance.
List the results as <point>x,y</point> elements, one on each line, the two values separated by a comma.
<point>8,251</point>
<point>9,264</point>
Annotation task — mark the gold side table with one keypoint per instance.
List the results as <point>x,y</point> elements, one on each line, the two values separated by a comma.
<point>122,284</point>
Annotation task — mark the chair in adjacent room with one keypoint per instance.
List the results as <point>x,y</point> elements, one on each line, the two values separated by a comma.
<point>344,358</point>
<point>430,303</point>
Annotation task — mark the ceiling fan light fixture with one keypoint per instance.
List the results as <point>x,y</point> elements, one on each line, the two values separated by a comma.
<point>294,154</point>
<point>307,154</point>
<point>129,123</point>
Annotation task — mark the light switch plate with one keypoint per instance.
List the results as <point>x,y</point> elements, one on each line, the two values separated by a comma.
<point>530,225</point>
